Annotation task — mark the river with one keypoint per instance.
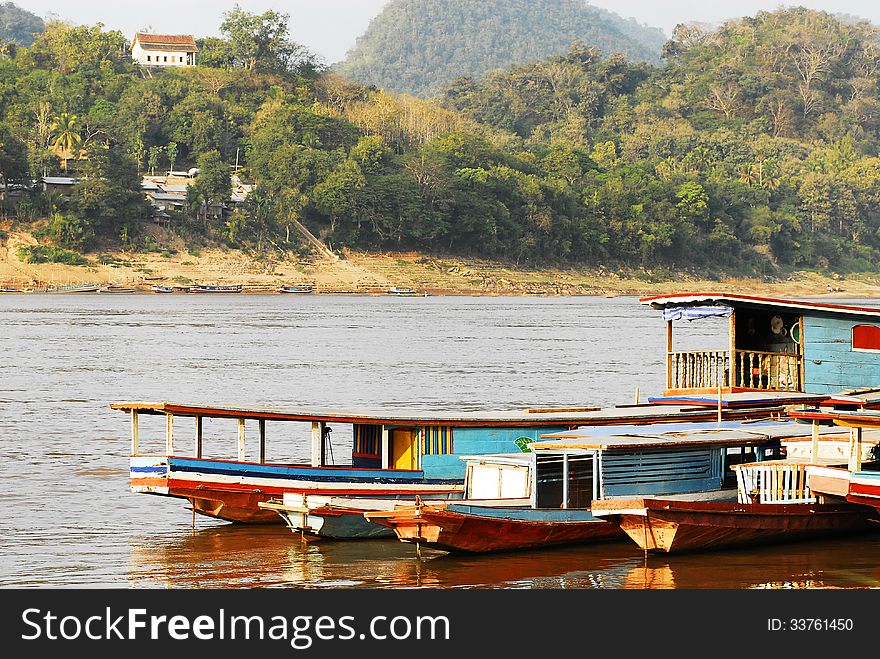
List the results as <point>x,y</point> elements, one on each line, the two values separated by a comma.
<point>70,520</point>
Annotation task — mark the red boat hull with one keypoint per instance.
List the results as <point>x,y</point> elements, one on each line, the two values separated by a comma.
<point>437,528</point>
<point>658,525</point>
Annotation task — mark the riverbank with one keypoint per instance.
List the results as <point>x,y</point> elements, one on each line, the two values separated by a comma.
<point>375,273</point>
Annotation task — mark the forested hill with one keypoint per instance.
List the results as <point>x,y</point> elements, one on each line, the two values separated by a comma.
<point>752,149</point>
<point>417,46</point>
<point>18,26</point>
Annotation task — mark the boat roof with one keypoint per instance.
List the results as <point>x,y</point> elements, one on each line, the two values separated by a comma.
<point>850,418</point>
<point>514,459</point>
<point>678,435</point>
<point>635,414</point>
<point>698,299</point>
<point>740,399</point>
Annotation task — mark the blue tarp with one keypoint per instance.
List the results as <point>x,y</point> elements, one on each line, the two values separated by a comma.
<point>695,313</point>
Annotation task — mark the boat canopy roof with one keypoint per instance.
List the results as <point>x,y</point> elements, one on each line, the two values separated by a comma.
<point>413,416</point>
<point>678,435</point>
<point>729,300</point>
<point>740,399</point>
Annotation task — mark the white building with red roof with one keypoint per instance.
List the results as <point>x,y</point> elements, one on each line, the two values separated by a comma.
<point>164,49</point>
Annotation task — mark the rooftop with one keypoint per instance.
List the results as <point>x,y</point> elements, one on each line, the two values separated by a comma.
<point>177,42</point>
<point>726,299</point>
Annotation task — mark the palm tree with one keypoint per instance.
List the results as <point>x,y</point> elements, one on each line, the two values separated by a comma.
<point>64,136</point>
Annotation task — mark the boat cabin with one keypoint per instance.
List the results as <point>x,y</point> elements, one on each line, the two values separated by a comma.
<point>573,468</point>
<point>771,345</point>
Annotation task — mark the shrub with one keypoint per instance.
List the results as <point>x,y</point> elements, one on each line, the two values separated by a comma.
<point>51,254</point>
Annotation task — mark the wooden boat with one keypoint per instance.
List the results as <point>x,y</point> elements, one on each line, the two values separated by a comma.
<point>157,288</point>
<point>215,289</point>
<point>74,288</point>
<point>302,289</point>
<point>402,292</point>
<point>575,472</point>
<point>673,526</point>
<point>117,289</point>
<point>395,454</point>
<point>480,529</point>
<point>774,345</point>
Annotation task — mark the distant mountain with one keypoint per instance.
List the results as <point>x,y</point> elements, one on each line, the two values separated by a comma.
<point>418,46</point>
<point>18,25</point>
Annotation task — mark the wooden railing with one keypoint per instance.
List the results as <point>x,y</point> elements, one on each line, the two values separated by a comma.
<point>698,370</point>
<point>752,369</point>
<point>773,371</point>
<point>772,482</point>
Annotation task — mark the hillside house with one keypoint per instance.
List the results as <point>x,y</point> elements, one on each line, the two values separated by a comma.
<point>164,49</point>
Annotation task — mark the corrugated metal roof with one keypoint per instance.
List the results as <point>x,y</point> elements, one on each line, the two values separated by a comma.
<point>59,180</point>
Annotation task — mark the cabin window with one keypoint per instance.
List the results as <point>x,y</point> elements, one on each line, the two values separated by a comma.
<point>367,441</point>
<point>436,440</point>
<point>866,338</point>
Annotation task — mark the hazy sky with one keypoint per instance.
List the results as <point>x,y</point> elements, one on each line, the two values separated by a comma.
<point>330,27</point>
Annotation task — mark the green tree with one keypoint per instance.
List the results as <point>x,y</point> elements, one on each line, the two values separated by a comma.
<point>261,42</point>
<point>213,182</point>
<point>64,137</point>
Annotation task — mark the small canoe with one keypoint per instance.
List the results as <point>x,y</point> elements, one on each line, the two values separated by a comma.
<point>674,526</point>
<point>481,529</point>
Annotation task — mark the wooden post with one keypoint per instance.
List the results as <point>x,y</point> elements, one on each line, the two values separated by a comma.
<point>317,444</point>
<point>565,480</point>
<point>386,448</point>
<point>732,376</point>
<point>262,441</point>
<point>169,434</point>
<point>720,398</point>
<point>637,395</point>
<point>134,432</point>
<point>241,438</point>
<point>199,437</point>
<point>855,449</point>
<point>669,354</point>
<point>814,445</point>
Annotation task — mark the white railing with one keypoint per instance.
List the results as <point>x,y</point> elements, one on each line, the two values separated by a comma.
<point>772,482</point>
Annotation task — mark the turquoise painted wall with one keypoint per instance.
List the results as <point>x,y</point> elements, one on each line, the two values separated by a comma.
<point>478,441</point>
<point>830,364</point>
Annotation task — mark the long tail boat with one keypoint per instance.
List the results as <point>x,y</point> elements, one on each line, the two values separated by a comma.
<point>393,454</point>
<point>676,526</point>
<point>575,472</point>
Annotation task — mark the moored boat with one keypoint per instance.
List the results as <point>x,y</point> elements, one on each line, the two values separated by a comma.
<point>301,289</point>
<point>675,526</point>
<point>394,454</point>
<point>402,292</point>
<point>158,288</point>
<point>117,289</point>
<point>575,471</point>
<point>237,288</point>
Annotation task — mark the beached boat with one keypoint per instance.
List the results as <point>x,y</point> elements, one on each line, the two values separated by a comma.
<point>157,288</point>
<point>395,454</point>
<point>74,288</point>
<point>237,288</point>
<point>402,292</point>
<point>117,289</point>
<point>574,472</point>
<point>302,289</point>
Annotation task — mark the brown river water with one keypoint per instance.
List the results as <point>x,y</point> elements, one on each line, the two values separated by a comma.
<point>70,520</point>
